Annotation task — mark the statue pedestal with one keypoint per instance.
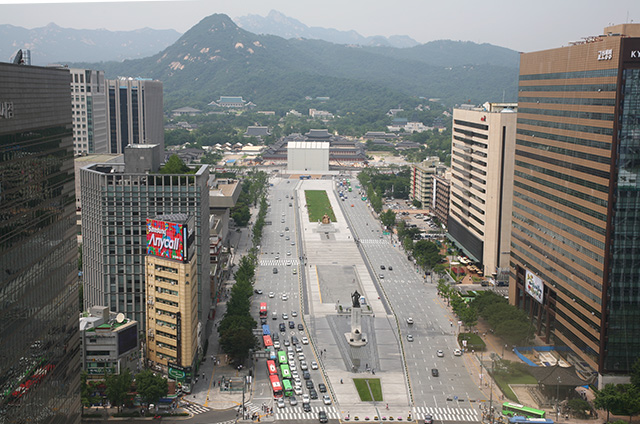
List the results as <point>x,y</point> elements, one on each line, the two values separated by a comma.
<point>356,338</point>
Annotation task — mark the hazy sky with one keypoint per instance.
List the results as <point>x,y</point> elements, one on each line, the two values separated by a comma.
<point>517,24</point>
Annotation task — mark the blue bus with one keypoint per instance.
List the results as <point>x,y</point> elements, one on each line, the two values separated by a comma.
<point>518,419</point>
<point>265,330</point>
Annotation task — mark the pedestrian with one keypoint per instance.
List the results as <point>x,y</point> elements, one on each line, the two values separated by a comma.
<point>341,382</point>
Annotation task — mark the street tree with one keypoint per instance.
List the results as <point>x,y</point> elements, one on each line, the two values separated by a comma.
<point>388,218</point>
<point>151,387</point>
<point>608,398</point>
<point>118,387</point>
<point>515,331</point>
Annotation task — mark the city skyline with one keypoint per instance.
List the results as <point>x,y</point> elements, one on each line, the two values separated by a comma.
<point>491,22</point>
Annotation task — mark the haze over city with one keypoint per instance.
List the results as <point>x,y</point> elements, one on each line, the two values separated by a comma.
<point>521,26</point>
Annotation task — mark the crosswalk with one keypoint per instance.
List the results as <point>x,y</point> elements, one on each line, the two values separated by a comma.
<point>447,414</point>
<point>194,408</point>
<point>296,413</point>
<point>377,241</point>
<point>279,262</point>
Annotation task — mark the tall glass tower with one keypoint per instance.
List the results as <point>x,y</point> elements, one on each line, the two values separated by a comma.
<point>39,344</point>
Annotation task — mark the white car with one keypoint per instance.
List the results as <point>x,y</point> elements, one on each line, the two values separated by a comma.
<point>276,345</point>
<point>303,365</point>
<point>298,348</point>
<point>440,354</point>
<point>272,294</point>
<point>293,366</point>
<point>305,398</point>
<point>305,340</point>
<point>285,297</point>
<point>294,314</point>
<point>300,356</point>
<point>289,253</point>
<point>280,403</point>
<point>298,390</point>
<point>285,316</point>
<point>409,321</point>
<point>314,365</point>
<point>457,352</point>
<point>297,382</point>
<point>326,399</point>
<point>294,374</point>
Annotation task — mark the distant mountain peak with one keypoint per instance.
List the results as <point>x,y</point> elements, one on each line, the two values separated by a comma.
<point>277,23</point>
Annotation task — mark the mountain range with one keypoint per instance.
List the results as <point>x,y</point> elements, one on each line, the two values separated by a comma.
<point>217,58</point>
<point>53,44</point>
<point>276,23</point>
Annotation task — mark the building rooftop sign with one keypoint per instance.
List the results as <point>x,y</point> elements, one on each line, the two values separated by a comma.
<point>167,239</point>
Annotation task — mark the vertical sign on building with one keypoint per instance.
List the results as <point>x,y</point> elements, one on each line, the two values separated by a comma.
<point>167,240</point>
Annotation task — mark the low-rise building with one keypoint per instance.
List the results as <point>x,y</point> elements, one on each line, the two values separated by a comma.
<point>109,342</point>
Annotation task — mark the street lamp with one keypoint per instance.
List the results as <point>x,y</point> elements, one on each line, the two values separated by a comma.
<point>558,399</point>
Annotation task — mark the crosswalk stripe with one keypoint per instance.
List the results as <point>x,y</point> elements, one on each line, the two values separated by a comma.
<point>448,414</point>
<point>281,262</point>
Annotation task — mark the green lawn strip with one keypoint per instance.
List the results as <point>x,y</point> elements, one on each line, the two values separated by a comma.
<point>504,381</point>
<point>363,389</point>
<point>318,204</point>
<point>474,341</point>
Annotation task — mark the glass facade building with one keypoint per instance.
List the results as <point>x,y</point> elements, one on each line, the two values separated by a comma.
<point>575,245</point>
<point>117,199</point>
<point>39,341</point>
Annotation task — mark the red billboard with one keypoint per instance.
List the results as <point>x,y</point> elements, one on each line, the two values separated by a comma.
<point>166,239</point>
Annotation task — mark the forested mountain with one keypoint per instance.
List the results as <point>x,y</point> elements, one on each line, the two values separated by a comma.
<point>217,58</point>
<point>53,44</point>
<point>276,23</point>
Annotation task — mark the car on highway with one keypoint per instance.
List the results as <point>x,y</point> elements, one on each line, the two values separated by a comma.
<point>434,372</point>
<point>295,374</point>
<point>294,340</point>
<point>276,345</point>
<point>257,291</point>
<point>293,365</point>
<point>303,365</point>
<point>293,243</point>
<point>287,343</point>
<point>298,348</point>
<point>307,376</point>
<point>288,253</point>
<point>293,401</point>
<point>457,352</point>
<point>305,340</point>
<point>282,328</point>
<point>295,271</point>
<point>306,407</point>
<point>326,399</point>
<point>440,354</point>
<point>297,390</point>
<point>428,419</point>
<point>314,365</point>
<point>294,313</point>
<point>390,268</point>
<point>380,276</point>
<point>292,325</point>
<point>409,337</point>
<point>305,398</point>
<point>382,267</point>
<point>285,316</point>
<point>322,417</point>
<point>280,403</point>
<point>285,297</point>
<point>300,327</point>
<point>409,320</point>
<point>275,270</point>
<point>272,294</point>
<point>313,394</point>
<point>322,388</point>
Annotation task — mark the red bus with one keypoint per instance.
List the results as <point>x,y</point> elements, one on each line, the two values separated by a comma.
<point>267,341</point>
<point>271,368</point>
<point>276,386</point>
<point>263,309</point>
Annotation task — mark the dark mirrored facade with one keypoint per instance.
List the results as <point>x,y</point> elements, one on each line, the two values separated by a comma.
<point>39,344</point>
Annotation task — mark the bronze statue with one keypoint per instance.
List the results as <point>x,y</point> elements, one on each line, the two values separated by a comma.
<point>355,298</point>
<point>326,219</point>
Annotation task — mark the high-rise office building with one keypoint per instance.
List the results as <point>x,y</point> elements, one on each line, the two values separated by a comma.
<point>172,289</point>
<point>481,182</point>
<point>89,111</point>
<point>117,199</point>
<point>39,340</point>
<point>575,247</point>
<point>421,181</point>
<point>134,113</point>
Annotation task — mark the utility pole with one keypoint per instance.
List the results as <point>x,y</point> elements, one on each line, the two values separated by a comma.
<point>491,393</point>
<point>558,400</point>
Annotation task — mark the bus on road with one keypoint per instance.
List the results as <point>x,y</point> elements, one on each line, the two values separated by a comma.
<point>271,368</point>
<point>276,386</point>
<point>517,419</point>
<point>267,341</point>
<point>510,409</point>
<point>282,357</point>
<point>266,331</point>
<point>288,388</point>
<point>285,371</point>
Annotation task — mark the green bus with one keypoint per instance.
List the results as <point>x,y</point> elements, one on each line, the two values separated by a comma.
<point>288,388</point>
<point>510,409</point>
<point>285,371</point>
<point>282,357</point>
